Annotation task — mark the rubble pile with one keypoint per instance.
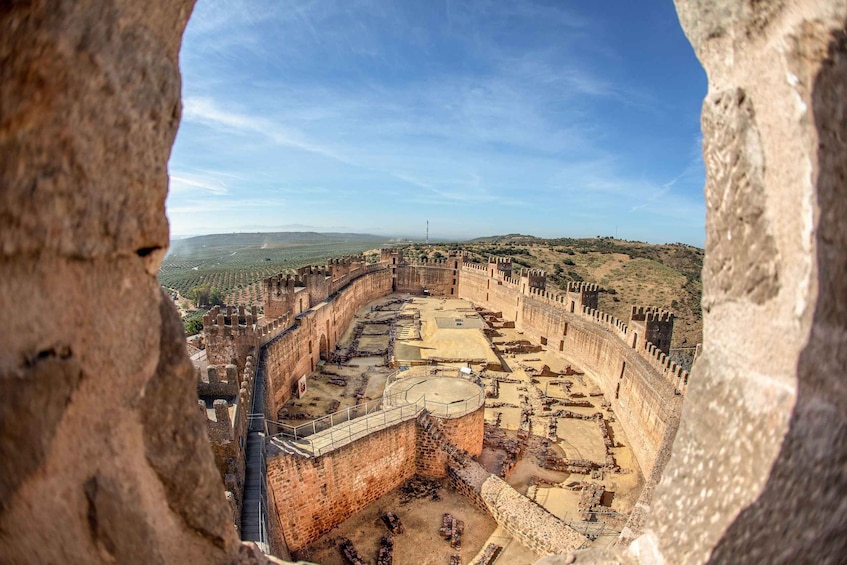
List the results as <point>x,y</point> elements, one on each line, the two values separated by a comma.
<point>349,552</point>
<point>386,551</point>
<point>419,487</point>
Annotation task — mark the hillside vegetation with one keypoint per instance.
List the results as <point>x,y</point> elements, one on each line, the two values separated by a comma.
<point>628,272</point>
<point>231,266</point>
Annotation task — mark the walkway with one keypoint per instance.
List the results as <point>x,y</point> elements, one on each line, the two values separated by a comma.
<point>253,510</point>
<point>347,432</point>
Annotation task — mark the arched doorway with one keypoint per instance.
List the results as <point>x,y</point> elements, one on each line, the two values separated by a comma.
<point>324,348</point>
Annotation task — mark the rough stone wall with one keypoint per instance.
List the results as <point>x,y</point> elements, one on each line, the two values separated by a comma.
<point>530,524</point>
<point>466,433</point>
<point>438,278</point>
<point>103,453</point>
<point>758,467</point>
<point>313,495</point>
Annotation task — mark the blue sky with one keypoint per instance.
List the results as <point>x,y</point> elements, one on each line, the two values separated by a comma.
<point>560,118</point>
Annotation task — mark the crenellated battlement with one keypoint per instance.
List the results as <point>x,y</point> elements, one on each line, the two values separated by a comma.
<point>580,287</point>
<point>230,320</point>
<point>314,271</point>
<point>655,324</point>
<point>226,401</point>
<point>475,266</point>
<point>534,278</point>
<point>651,314</point>
<point>231,335</point>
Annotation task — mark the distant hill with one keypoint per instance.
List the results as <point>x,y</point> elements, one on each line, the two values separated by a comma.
<point>515,238</point>
<point>222,241</point>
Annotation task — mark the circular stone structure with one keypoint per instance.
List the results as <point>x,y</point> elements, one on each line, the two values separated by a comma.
<point>443,397</point>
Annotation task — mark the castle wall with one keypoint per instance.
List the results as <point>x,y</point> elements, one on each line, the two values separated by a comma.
<point>296,350</point>
<point>438,278</point>
<point>313,495</point>
<point>638,381</point>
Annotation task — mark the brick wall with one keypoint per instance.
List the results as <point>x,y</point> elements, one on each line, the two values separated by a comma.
<point>312,495</point>
<point>465,433</point>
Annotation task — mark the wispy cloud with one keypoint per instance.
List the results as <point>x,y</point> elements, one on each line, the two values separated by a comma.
<point>476,112</point>
<point>184,182</point>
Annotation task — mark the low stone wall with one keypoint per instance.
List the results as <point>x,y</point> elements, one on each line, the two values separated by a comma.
<point>527,522</point>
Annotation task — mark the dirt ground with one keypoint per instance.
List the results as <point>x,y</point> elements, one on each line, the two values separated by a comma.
<point>451,330</point>
<point>419,544</point>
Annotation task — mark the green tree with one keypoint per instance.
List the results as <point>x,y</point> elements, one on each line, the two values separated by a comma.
<point>205,296</point>
<point>193,323</point>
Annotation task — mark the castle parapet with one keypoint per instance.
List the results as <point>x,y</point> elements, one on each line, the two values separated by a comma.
<point>231,335</point>
<point>226,405</point>
<point>584,294</point>
<point>534,278</point>
<point>655,325</point>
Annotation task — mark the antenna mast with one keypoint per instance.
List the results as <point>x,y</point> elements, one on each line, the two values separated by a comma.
<point>427,232</point>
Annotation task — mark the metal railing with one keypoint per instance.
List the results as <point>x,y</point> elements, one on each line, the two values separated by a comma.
<point>325,422</point>
<point>262,518</point>
<point>392,410</point>
<point>349,431</point>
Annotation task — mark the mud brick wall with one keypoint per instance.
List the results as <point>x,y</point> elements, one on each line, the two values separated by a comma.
<point>313,495</point>
<point>644,400</point>
<point>440,278</point>
<point>466,433</point>
<point>297,350</point>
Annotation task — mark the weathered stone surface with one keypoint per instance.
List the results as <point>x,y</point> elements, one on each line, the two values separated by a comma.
<point>757,473</point>
<point>741,258</point>
<point>175,439</point>
<point>37,391</point>
<point>103,456</point>
<point>94,182</point>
